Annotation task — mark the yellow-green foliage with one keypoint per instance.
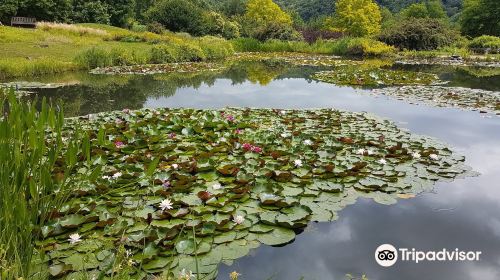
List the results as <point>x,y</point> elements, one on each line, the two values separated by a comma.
<point>344,46</point>
<point>357,17</point>
<point>486,42</point>
<point>266,11</point>
<point>215,48</point>
<point>54,48</point>
<point>368,47</point>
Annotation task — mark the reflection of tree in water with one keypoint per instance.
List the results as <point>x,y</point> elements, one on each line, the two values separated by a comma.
<point>101,93</point>
<point>84,99</point>
<point>461,76</point>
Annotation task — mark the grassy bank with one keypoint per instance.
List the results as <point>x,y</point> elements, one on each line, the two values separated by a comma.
<point>53,48</point>
<point>341,47</point>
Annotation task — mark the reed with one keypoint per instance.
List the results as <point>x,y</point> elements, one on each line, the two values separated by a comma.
<point>36,172</point>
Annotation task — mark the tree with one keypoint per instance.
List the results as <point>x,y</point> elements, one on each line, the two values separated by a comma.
<point>265,20</point>
<point>234,7</point>
<point>91,11</point>
<point>47,10</point>
<point>120,11</point>
<point>419,34</point>
<point>178,15</point>
<point>357,17</point>
<point>480,17</point>
<point>264,12</point>
<point>428,9</point>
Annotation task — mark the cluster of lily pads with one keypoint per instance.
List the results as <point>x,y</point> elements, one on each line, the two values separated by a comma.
<point>295,59</point>
<point>449,62</point>
<point>178,191</point>
<point>465,98</point>
<point>149,69</point>
<point>358,76</point>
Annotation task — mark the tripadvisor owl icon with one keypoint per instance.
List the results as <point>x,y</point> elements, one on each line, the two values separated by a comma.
<point>386,255</point>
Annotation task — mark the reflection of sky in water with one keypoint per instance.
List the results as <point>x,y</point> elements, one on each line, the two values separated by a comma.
<point>462,214</point>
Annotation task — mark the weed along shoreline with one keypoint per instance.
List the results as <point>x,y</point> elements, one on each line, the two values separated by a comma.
<point>249,139</point>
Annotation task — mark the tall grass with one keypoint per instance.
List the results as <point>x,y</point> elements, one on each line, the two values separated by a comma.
<point>72,28</point>
<point>201,49</point>
<point>36,166</point>
<point>344,46</point>
<point>14,67</point>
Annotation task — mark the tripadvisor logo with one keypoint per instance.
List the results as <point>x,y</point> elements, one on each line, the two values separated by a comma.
<point>387,255</point>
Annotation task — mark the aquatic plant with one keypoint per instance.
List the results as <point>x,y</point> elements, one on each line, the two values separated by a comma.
<point>374,77</point>
<point>215,194</point>
<point>454,97</point>
<point>36,170</point>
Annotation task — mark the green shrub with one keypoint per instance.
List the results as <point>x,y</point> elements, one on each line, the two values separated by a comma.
<point>485,43</point>
<point>93,58</point>
<point>190,52</point>
<point>420,34</point>
<point>138,27</point>
<point>246,45</point>
<point>275,31</point>
<point>215,48</point>
<point>122,57</point>
<point>164,54</point>
<point>156,28</point>
<point>368,47</point>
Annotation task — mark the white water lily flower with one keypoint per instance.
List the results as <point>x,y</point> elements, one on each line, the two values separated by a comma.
<point>74,238</point>
<point>239,219</point>
<point>117,175</point>
<point>433,156</point>
<point>416,155</point>
<point>186,275</point>
<point>222,139</point>
<point>285,135</point>
<point>297,162</point>
<point>166,204</point>
<point>361,151</point>
<point>216,186</point>
<point>308,142</point>
<point>175,166</point>
<point>382,161</point>
<point>283,112</point>
<point>370,152</point>
<point>106,177</point>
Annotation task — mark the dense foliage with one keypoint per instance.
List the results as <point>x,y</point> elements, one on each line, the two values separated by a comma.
<point>357,17</point>
<point>481,17</point>
<point>486,44</point>
<point>419,34</point>
<point>428,9</point>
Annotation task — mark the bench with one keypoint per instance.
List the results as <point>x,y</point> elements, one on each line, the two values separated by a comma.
<point>23,21</point>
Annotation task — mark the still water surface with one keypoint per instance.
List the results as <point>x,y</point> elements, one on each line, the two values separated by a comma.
<point>463,214</point>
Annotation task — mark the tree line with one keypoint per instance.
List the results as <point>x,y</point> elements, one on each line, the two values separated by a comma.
<point>265,19</point>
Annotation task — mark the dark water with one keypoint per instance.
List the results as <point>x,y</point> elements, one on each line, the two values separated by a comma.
<point>463,214</point>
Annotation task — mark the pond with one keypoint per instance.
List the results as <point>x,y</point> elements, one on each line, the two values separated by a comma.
<point>459,214</point>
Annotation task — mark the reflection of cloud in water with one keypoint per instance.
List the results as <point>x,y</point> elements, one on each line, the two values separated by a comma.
<point>460,214</point>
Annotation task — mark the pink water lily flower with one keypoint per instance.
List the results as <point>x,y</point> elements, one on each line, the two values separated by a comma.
<point>126,111</point>
<point>230,118</point>
<point>256,149</point>
<point>238,131</point>
<point>172,135</point>
<point>119,144</point>
<point>246,146</point>
<point>166,184</point>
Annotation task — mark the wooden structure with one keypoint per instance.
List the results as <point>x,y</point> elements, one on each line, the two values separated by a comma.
<point>23,21</point>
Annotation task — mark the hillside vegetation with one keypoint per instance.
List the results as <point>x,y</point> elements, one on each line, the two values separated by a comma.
<point>52,48</point>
